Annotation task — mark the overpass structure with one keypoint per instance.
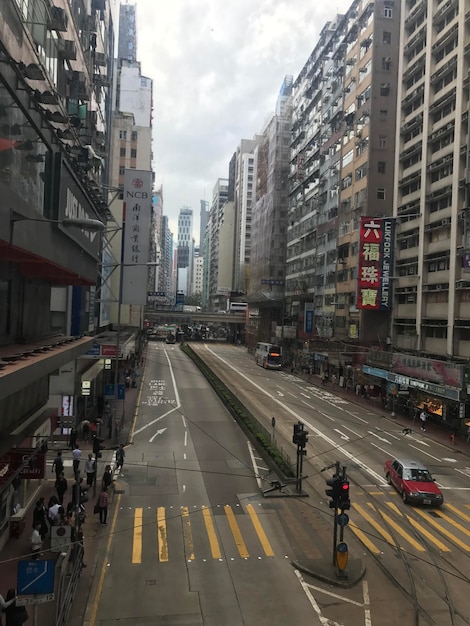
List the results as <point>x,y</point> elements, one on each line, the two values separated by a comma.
<point>165,316</point>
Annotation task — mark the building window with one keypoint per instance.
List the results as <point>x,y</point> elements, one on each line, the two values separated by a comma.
<point>382,141</point>
<point>133,154</point>
<point>388,12</point>
<point>386,63</point>
<point>123,134</point>
<point>381,167</point>
<point>383,115</point>
<point>122,152</point>
<point>385,89</point>
<point>387,37</point>
<point>122,170</point>
<point>380,193</point>
<point>134,135</point>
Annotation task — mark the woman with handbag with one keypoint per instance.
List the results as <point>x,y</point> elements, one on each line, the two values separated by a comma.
<point>15,615</point>
<point>103,505</point>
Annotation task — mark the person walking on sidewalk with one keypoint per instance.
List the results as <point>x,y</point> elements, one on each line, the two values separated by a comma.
<point>107,477</point>
<point>120,454</point>
<point>423,417</point>
<point>61,487</point>
<point>90,469</point>
<point>39,517</point>
<point>36,541</point>
<point>58,464</point>
<point>5,603</point>
<point>76,456</point>
<point>103,501</point>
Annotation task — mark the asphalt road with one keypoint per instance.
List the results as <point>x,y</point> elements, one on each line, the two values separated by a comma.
<point>191,541</point>
<point>417,559</point>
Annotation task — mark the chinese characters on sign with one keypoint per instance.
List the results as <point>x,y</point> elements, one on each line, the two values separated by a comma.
<point>376,245</point>
<point>137,210</point>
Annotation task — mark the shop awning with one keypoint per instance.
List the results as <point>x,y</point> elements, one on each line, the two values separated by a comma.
<point>93,371</point>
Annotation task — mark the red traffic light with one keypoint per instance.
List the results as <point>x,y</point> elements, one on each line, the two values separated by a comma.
<point>345,486</point>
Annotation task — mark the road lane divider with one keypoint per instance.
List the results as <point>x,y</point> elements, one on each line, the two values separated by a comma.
<point>137,536</point>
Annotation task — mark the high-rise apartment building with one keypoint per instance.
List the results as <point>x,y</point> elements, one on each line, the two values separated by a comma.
<point>432,284</point>
<point>342,168</point>
<point>185,250</point>
<point>243,191</point>
<point>212,297</point>
<point>269,221</point>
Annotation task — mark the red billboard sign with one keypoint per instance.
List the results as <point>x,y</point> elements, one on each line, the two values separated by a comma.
<point>376,248</point>
<point>31,464</point>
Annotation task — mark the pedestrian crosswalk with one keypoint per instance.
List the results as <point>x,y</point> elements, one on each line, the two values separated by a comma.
<point>380,524</point>
<point>229,533</point>
<point>203,534</point>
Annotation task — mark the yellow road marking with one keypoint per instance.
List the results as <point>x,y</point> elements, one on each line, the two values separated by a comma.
<point>458,512</point>
<point>187,533</point>
<point>137,539</point>
<point>443,531</point>
<point>259,530</point>
<point>427,534</point>
<point>212,535</point>
<point>378,527</point>
<point>454,523</point>
<point>104,567</point>
<point>242,549</point>
<point>398,529</point>
<point>394,508</point>
<point>362,537</point>
<point>162,535</point>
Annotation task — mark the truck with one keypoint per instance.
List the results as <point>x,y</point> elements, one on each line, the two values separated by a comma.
<point>191,308</point>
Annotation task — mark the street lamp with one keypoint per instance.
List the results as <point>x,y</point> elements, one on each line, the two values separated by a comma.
<point>80,222</point>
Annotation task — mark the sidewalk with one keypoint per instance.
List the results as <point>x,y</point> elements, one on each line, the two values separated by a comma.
<point>94,534</point>
<point>433,429</point>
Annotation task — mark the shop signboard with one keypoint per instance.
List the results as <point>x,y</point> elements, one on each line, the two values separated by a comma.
<point>422,385</point>
<point>308,318</point>
<point>431,370</point>
<point>374,371</point>
<point>376,245</point>
<point>21,461</point>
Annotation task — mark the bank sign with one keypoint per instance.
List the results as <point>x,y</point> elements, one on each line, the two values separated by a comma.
<point>374,280</point>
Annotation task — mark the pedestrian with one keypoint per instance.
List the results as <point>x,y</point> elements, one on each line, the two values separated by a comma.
<point>120,454</point>
<point>423,417</point>
<point>36,541</point>
<point>5,603</point>
<point>76,456</point>
<point>128,381</point>
<point>61,487</point>
<point>39,517</point>
<point>58,464</point>
<point>86,430</point>
<point>468,434</point>
<point>107,480</point>
<point>90,469</point>
<point>103,505</point>
<point>15,615</point>
<point>53,511</point>
<point>73,438</point>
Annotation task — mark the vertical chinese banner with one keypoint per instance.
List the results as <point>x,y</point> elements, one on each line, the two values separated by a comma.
<point>308,317</point>
<point>376,254</point>
<point>137,210</point>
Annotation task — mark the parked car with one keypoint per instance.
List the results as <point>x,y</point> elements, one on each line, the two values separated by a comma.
<point>413,481</point>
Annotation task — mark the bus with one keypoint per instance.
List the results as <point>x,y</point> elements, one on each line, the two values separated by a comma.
<point>170,334</point>
<point>268,355</point>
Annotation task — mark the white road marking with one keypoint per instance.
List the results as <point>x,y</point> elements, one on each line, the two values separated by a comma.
<point>160,431</point>
<point>426,453</point>
<point>371,432</point>
<point>342,435</point>
<point>324,620</point>
<point>309,426</point>
<point>447,460</point>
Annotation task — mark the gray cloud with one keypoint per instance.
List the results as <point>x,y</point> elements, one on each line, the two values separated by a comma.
<point>217,66</point>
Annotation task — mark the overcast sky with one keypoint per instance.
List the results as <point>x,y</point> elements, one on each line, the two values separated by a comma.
<point>217,67</point>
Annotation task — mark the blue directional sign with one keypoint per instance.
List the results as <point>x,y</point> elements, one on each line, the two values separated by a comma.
<point>342,519</point>
<point>109,391</point>
<point>35,577</point>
